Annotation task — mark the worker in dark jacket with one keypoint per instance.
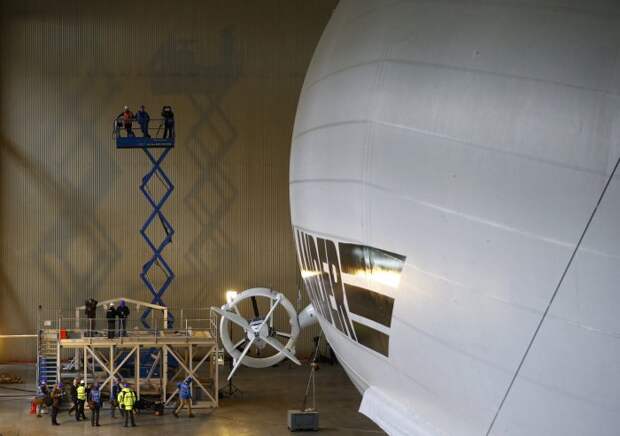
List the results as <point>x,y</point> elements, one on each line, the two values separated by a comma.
<point>123,314</point>
<point>110,315</point>
<point>73,395</point>
<point>56,396</point>
<point>90,308</point>
<point>94,403</point>
<point>116,389</point>
<point>143,118</point>
<point>168,116</point>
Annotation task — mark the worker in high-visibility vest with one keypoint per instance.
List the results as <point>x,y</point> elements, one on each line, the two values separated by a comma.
<point>81,399</point>
<point>126,399</point>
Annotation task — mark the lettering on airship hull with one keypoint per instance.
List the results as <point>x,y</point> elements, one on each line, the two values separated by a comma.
<point>363,315</point>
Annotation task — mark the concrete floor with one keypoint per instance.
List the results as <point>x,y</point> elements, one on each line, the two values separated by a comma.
<point>259,411</point>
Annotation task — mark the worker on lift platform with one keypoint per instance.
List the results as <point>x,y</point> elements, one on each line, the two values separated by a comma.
<point>125,119</point>
<point>143,118</point>
<point>168,115</point>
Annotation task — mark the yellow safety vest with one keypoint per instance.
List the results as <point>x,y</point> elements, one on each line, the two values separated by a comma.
<point>127,398</point>
<point>81,393</point>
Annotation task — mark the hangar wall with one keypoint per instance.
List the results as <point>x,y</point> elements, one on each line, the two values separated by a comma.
<point>69,201</point>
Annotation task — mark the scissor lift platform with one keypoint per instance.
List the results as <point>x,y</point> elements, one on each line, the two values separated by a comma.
<point>142,142</point>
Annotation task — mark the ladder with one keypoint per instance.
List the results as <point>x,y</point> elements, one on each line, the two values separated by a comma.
<point>47,353</point>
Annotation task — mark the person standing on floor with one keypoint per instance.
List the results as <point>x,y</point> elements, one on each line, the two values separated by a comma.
<point>127,398</point>
<point>94,403</point>
<point>56,396</point>
<point>185,395</point>
<point>41,398</point>
<point>81,399</point>
<point>73,394</point>
<point>116,389</point>
<point>123,314</point>
<point>110,315</point>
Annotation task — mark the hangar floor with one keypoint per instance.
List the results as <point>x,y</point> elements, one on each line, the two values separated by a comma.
<point>260,410</point>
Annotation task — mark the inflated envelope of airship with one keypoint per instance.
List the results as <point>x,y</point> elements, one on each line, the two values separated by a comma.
<point>457,212</point>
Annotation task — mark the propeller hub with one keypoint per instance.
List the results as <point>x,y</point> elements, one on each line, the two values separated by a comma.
<point>259,330</point>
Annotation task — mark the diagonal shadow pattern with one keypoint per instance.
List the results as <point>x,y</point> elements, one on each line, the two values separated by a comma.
<point>209,84</point>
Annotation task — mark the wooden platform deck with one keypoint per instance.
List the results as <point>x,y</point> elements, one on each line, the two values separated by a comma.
<point>197,337</point>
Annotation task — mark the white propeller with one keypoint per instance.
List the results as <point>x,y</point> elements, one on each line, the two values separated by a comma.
<point>259,331</point>
<point>255,336</point>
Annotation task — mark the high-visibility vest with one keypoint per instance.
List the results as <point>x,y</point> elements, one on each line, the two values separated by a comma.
<point>127,398</point>
<point>81,393</point>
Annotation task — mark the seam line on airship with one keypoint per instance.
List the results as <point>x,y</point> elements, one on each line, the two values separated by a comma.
<point>458,68</point>
<point>453,212</point>
<point>553,296</point>
<point>495,4</point>
<point>459,141</point>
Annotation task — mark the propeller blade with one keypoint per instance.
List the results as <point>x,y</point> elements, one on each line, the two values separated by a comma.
<point>238,344</point>
<point>233,317</point>
<point>240,359</point>
<point>270,312</point>
<point>279,347</point>
<point>271,320</point>
<point>283,334</point>
<point>255,307</point>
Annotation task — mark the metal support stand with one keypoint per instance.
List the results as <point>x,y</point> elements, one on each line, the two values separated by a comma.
<point>147,144</point>
<point>230,390</point>
<point>157,258</point>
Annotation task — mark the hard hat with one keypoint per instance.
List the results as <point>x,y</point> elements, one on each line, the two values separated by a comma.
<point>60,385</point>
<point>82,382</point>
<point>111,304</point>
<point>125,107</point>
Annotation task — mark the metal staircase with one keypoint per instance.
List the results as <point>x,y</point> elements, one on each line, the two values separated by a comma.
<point>47,356</point>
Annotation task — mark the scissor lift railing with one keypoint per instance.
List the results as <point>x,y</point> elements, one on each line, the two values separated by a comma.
<point>148,143</point>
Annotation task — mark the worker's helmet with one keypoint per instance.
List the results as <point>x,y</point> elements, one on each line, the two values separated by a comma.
<point>111,304</point>
<point>60,385</point>
<point>126,107</point>
<point>82,382</point>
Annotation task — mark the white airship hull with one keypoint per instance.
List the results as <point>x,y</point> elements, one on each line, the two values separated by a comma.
<point>471,142</point>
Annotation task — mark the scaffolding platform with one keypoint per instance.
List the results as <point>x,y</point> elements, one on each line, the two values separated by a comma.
<point>153,360</point>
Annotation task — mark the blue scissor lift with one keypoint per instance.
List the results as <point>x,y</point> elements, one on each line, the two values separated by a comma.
<point>127,140</point>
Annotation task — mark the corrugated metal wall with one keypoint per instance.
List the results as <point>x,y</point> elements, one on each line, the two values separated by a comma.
<point>69,201</point>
